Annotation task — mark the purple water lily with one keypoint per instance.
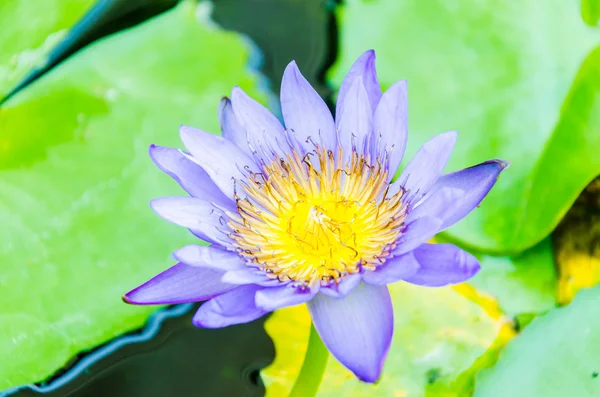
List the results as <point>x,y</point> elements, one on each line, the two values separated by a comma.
<point>307,213</point>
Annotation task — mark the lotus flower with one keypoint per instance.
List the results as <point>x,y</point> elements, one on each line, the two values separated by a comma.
<point>308,213</point>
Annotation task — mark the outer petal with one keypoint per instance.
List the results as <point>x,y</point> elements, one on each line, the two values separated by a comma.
<point>427,165</point>
<point>474,183</point>
<point>275,298</point>
<point>209,151</point>
<point>304,111</point>
<point>393,270</point>
<point>234,307</point>
<point>209,257</point>
<point>355,120</point>
<point>249,276</point>
<point>364,67</point>
<point>390,124</point>
<point>231,128</point>
<point>179,284</point>
<point>442,264</point>
<point>358,329</point>
<point>192,178</point>
<point>264,131</point>
<point>417,233</point>
<point>204,219</point>
<point>438,204</point>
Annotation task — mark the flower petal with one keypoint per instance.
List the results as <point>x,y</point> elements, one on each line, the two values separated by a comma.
<point>475,183</point>
<point>417,233</point>
<point>343,288</point>
<point>395,269</point>
<point>363,67</point>
<point>304,111</point>
<point>390,124</point>
<point>275,298</point>
<point>249,276</point>
<point>442,264</point>
<point>427,165</point>
<point>179,284</point>
<point>208,152</point>
<point>234,307</point>
<point>231,128</point>
<point>355,120</point>
<point>265,133</point>
<point>438,204</point>
<point>204,219</point>
<point>209,257</point>
<point>192,178</point>
<point>358,329</point>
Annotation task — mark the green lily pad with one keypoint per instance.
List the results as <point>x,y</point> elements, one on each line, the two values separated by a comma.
<point>499,74</point>
<point>29,33</point>
<point>590,10</point>
<point>524,284</point>
<point>77,231</point>
<point>555,356</point>
<point>441,339</point>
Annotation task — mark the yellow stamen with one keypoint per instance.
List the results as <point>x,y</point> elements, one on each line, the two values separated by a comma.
<point>312,225</point>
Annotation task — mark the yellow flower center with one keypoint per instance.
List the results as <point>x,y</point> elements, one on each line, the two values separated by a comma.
<point>308,220</point>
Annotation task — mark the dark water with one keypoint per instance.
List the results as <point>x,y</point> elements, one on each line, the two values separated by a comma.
<point>181,360</point>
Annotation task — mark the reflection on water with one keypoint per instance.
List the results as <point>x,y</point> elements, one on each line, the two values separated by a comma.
<point>177,360</point>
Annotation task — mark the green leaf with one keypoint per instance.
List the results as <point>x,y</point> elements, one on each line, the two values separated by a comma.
<point>524,284</point>
<point>555,356</point>
<point>77,231</point>
<point>498,73</point>
<point>590,10</point>
<point>29,33</point>
<point>441,338</point>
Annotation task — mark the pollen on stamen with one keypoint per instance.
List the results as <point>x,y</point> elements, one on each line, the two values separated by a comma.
<point>309,220</point>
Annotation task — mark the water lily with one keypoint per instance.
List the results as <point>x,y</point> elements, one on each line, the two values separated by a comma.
<point>308,213</point>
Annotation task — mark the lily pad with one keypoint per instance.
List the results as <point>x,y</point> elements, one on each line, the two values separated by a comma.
<point>499,74</point>
<point>77,231</point>
<point>590,10</point>
<point>523,284</point>
<point>441,339</point>
<point>29,33</point>
<point>555,356</point>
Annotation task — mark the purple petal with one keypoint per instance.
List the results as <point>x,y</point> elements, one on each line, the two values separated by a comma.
<point>358,329</point>
<point>438,204</point>
<point>442,264</point>
<point>234,307</point>
<point>355,120</point>
<point>192,178</point>
<point>304,111</point>
<point>393,270</point>
<point>231,128</point>
<point>204,219</point>
<point>264,131</point>
<point>343,288</point>
<point>475,183</point>
<point>427,165</point>
<point>390,123</point>
<point>249,276</point>
<point>363,67</point>
<point>209,257</point>
<point>179,284</point>
<point>209,152</point>
<point>275,298</point>
<point>417,233</point>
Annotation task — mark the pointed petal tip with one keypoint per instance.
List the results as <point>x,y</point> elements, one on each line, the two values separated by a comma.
<point>368,54</point>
